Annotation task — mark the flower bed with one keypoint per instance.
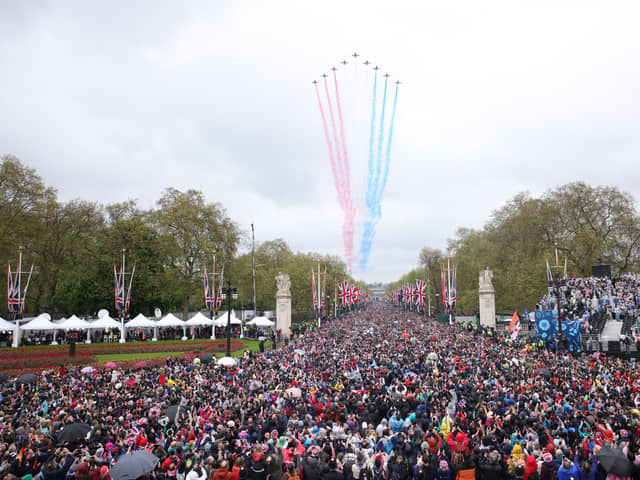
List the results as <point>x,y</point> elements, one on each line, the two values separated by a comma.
<point>34,359</point>
<point>41,360</point>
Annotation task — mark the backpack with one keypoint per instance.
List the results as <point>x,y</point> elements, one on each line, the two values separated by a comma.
<point>378,474</point>
<point>365,474</point>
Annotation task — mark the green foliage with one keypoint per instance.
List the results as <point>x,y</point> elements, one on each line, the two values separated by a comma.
<point>75,246</point>
<point>590,225</point>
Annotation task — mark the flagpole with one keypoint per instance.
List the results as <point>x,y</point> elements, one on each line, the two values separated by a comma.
<point>318,293</point>
<point>122,334</point>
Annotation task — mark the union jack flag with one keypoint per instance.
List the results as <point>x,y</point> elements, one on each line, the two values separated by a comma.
<point>14,300</point>
<point>453,294</point>
<point>118,280</point>
<point>410,294</point>
<point>314,293</point>
<point>209,299</point>
<point>219,297</point>
<point>444,287</point>
<point>355,295</point>
<point>344,294</point>
<point>420,292</point>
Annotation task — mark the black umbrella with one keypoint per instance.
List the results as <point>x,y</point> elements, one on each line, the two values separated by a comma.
<point>206,358</point>
<point>544,372</point>
<point>133,465</point>
<point>173,413</point>
<point>3,378</point>
<point>27,378</point>
<point>614,461</point>
<point>73,432</point>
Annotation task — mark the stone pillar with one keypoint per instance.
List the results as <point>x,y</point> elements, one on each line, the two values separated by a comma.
<point>283,304</point>
<point>487,299</point>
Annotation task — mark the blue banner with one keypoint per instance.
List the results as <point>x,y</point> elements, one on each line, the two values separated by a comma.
<point>547,329</point>
<point>546,324</point>
<point>571,332</point>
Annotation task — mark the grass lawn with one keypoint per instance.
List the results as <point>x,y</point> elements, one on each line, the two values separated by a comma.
<point>123,357</point>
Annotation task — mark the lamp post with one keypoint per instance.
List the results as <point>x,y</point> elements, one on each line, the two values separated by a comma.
<point>229,293</point>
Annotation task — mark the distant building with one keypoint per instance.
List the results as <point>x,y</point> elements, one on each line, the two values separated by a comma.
<point>378,290</point>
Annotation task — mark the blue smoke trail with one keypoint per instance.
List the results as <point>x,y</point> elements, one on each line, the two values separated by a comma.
<point>374,207</point>
<point>375,199</point>
<point>383,182</point>
<point>370,186</point>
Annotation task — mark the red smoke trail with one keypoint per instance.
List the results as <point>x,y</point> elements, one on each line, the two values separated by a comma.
<point>330,148</point>
<point>349,210</point>
<point>339,164</point>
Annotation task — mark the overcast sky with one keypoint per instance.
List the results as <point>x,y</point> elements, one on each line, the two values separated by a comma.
<point>116,100</point>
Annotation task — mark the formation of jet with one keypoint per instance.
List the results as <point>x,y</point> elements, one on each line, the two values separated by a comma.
<point>344,63</point>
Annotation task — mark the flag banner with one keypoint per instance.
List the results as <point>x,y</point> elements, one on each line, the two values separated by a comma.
<point>546,324</point>
<point>420,292</point>
<point>343,293</point>
<point>355,298</point>
<point>324,289</point>
<point>219,297</point>
<point>453,294</point>
<point>209,299</point>
<point>118,279</point>
<point>443,283</point>
<point>514,321</point>
<point>571,332</point>
<point>549,275</point>
<point>13,291</point>
<point>316,307</point>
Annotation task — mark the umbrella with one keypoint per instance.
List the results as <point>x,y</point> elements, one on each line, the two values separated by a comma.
<point>206,358</point>
<point>110,365</point>
<point>614,461</point>
<point>141,364</point>
<point>294,392</point>
<point>299,351</point>
<point>27,378</point>
<point>133,465</point>
<point>546,373</point>
<point>433,356</point>
<point>173,414</point>
<point>255,384</point>
<point>3,378</point>
<point>73,432</point>
<point>88,370</point>
<point>404,335</point>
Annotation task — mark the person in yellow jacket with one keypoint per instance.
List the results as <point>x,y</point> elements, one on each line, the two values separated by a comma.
<point>445,426</point>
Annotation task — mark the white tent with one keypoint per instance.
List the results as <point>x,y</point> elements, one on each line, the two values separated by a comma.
<point>261,322</point>
<point>73,323</point>
<point>140,321</point>
<point>221,321</point>
<point>199,319</point>
<point>39,323</point>
<point>6,326</point>
<point>170,321</point>
<point>106,323</point>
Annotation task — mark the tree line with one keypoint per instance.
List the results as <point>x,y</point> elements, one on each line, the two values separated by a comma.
<point>589,226</point>
<point>75,245</point>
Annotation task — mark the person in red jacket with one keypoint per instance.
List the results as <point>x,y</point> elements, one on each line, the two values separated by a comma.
<point>531,469</point>
<point>222,472</point>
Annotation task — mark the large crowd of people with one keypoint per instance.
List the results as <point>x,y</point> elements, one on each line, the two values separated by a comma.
<point>599,299</point>
<point>378,394</point>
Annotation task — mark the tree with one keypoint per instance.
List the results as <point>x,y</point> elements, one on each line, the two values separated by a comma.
<point>192,232</point>
<point>594,225</point>
<point>68,230</point>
